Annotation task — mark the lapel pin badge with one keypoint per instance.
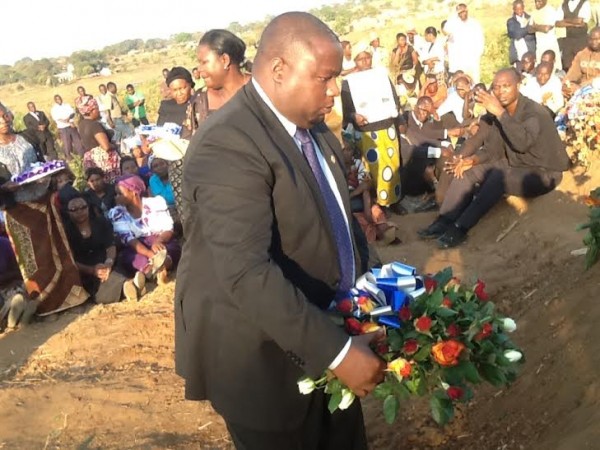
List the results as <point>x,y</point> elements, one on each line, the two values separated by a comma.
<point>332,159</point>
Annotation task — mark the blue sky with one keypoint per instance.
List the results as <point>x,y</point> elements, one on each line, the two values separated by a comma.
<point>49,28</point>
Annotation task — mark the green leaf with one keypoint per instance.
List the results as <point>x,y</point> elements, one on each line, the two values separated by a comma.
<point>442,410</point>
<point>400,391</point>
<point>435,300</point>
<point>422,354</point>
<point>493,375</point>
<point>395,340</point>
<point>416,386</point>
<point>382,390</point>
<point>334,401</point>
<point>470,372</point>
<point>453,375</point>
<point>333,386</point>
<point>390,408</point>
<point>443,276</point>
<point>445,312</point>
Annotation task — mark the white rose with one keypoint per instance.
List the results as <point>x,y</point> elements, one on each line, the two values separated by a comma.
<point>306,385</point>
<point>347,398</point>
<point>513,355</point>
<point>509,325</point>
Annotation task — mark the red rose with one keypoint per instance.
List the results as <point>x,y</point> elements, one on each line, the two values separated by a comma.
<point>345,306</point>
<point>480,291</point>
<point>353,326</point>
<point>447,302</point>
<point>453,330</point>
<point>430,285</point>
<point>486,331</point>
<point>455,393</point>
<point>382,348</point>
<point>404,314</point>
<point>446,353</point>
<point>410,346</point>
<point>423,324</point>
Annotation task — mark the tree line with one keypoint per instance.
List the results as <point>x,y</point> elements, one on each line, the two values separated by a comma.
<point>85,62</point>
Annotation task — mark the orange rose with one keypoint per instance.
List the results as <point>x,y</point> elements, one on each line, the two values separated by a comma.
<point>446,353</point>
<point>400,367</point>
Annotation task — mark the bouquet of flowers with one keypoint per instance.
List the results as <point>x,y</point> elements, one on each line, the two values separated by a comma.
<point>592,238</point>
<point>583,119</point>
<point>441,337</point>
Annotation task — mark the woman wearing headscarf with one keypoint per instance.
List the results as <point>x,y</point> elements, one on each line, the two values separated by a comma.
<point>378,142</point>
<point>220,63</point>
<point>99,151</point>
<point>35,228</point>
<point>145,228</point>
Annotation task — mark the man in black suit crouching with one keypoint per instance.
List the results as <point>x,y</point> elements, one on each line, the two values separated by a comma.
<point>268,247</point>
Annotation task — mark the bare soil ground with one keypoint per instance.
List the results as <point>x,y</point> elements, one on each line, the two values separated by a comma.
<point>102,376</point>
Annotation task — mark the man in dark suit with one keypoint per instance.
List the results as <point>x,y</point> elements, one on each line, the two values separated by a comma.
<point>522,37</point>
<point>37,123</point>
<point>268,247</point>
<point>421,148</point>
<point>517,151</point>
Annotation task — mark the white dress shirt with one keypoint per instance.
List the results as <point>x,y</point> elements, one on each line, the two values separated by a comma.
<point>62,115</point>
<point>291,130</point>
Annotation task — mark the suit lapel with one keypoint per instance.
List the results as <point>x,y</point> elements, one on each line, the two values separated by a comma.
<point>294,158</point>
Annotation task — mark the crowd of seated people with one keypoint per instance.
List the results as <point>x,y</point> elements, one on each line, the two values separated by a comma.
<point>65,240</point>
<point>433,132</point>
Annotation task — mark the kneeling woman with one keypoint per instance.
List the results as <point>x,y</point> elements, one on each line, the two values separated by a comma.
<point>145,227</point>
<point>93,246</point>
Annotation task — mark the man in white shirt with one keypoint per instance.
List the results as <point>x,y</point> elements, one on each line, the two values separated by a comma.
<point>455,103</point>
<point>64,114</point>
<point>465,43</point>
<point>545,88</point>
<point>381,57</point>
<point>104,100</point>
<point>432,53</point>
<point>543,21</point>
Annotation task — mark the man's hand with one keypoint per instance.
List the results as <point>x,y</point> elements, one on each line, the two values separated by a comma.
<point>459,165</point>
<point>489,102</point>
<point>360,120</point>
<point>361,369</point>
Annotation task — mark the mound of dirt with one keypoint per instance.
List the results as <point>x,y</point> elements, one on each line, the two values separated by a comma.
<point>103,377</point>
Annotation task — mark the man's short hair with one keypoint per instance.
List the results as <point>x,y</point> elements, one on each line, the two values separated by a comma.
<point>399,35</point>
<point>431,30</point>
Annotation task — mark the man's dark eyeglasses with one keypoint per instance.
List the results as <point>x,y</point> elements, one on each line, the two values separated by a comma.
<point>81,208</point>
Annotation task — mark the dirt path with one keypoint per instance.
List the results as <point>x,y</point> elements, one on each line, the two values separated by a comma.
<point>102,376</point>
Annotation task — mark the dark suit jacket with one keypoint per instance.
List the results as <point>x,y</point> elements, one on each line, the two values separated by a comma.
<point>515,31</point>
<point>259,266</point>
<point>526,139</point>
<point>32,123</point>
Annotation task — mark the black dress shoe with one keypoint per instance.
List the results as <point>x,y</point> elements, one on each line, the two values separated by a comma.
<point>453,237</point>
<point>436,229</point>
